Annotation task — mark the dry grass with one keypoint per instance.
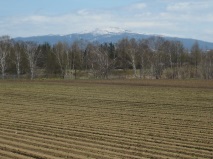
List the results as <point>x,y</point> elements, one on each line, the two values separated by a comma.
<point>106,119</point>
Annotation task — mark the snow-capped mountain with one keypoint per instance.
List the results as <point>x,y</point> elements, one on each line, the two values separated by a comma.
<point>109,35</point>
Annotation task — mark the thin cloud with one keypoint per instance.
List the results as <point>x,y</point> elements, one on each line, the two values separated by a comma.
<point>188,6</point>
<point>138,6</point>
<point>158,16</point>
<point>179,6</point>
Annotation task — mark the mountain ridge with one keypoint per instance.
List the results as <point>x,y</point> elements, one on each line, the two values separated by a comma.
<point>110,35</point>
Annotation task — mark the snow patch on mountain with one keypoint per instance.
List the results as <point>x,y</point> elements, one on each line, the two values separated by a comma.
<point>105,31</point>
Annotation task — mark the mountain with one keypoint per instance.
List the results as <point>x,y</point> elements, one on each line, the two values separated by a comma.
<point>109,35</point>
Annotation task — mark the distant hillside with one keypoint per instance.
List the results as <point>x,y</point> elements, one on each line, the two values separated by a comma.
<point>109,36</point>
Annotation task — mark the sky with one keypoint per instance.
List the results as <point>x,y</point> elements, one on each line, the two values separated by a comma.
<point>176,18</point>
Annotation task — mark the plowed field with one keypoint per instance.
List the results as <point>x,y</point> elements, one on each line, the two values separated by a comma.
<point>131,119</point>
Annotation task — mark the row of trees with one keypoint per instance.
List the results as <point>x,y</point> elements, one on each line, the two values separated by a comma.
<point>149,58</point>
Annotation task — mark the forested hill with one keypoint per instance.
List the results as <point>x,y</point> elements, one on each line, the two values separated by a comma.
<point>108,37</point>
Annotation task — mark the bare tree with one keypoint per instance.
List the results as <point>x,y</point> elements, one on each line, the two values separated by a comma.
<point>62,54</point>
<point>128,49</point>
<point>32,52</point>
<point>76,57</point>
<point>99,60</point>
<point>177,59</point>
<point>207,64</point>
<point>132,52</point>
<point>144,50</point>
<point>196,56</point>
<point>167,52</point>
<point>18,49</point>
<point>4,52</point>
<point>155,44</point>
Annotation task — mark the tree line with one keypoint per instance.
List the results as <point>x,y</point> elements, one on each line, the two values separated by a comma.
<point>154,57</point>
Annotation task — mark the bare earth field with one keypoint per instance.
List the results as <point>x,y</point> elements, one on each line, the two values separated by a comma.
<point>131,119</point>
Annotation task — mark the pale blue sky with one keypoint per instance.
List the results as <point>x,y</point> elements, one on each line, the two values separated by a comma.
<point>181,18</point>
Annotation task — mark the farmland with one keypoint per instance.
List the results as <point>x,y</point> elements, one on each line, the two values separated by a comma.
<point>106,119</point>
